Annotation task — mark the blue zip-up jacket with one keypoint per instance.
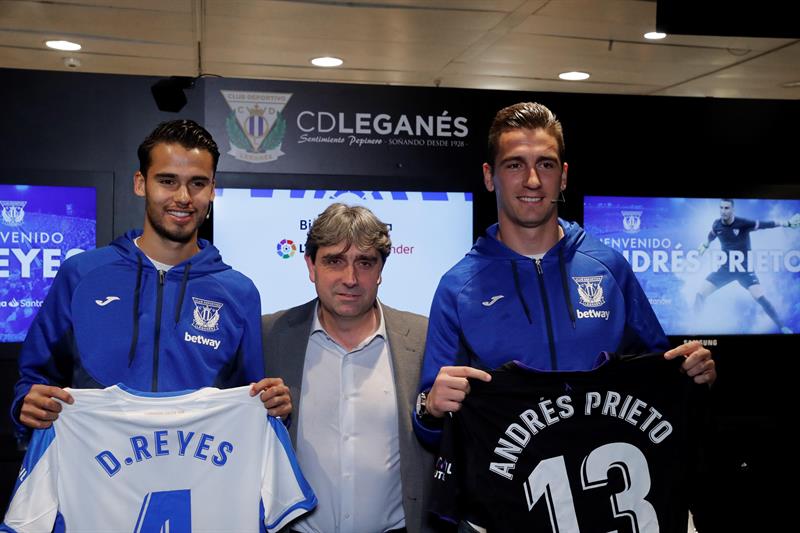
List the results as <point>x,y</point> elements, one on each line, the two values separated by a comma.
<point>111,318</point>
<point>557,313</point>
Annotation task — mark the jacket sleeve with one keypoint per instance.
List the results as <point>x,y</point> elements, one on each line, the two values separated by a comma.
<point>443,347</point>
<point>47,352</point>
<point>252,355</point>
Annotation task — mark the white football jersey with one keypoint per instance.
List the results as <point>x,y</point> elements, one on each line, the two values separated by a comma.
<point>120,461</point>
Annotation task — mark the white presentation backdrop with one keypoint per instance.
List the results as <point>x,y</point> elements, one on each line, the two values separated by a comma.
<point>262,233</point>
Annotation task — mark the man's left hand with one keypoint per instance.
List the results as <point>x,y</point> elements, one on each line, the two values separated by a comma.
<point>698,363</point>
<point>275,396</point>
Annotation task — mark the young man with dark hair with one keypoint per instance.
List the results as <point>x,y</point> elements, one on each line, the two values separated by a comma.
<point>157,310</point>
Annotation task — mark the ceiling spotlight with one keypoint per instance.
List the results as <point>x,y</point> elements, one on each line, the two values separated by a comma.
<point>574,76</point>
<point>654,35</point>
<point>326,61</point>
<point>72,62</point>
<point>67,46</point>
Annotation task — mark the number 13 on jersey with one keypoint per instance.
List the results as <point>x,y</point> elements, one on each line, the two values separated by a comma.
<point>550,480</point>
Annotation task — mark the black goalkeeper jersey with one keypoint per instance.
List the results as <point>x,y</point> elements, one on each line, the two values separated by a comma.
<point>609,449</point>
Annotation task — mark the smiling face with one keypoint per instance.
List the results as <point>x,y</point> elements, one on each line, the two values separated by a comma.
<point>178,189</point>
<point>346,279</point>
<point>527,178</point>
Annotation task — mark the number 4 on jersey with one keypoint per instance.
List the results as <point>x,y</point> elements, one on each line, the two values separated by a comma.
<point>169,511</point>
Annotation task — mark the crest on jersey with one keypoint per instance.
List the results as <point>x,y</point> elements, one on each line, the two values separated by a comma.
<point>631,221</point>
<point>590,290</point>
<point>256,125</point>
<point>736,231</point>
<point>13,212</point>
<point>206,314</point>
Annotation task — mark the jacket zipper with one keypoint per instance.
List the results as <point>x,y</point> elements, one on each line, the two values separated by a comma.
<point>548,320</point>
<point>157,335</point>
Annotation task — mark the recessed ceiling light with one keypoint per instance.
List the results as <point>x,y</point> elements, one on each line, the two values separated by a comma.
<point>791,84</point>
<point>63,45</point>
<point>326,61</point>
<point>574,76</point>
<point>654,35</point>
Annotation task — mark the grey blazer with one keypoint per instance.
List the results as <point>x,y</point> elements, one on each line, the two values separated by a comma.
<point>285,335</point>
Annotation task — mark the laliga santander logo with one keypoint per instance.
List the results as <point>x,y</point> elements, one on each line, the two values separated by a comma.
<point>286,248</point>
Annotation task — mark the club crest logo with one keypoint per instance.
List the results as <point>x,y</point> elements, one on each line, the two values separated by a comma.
<point>256,125</point>
<point>736,231</point>
<point>206,314</point>
<point>590,290</point>
<point>631,221</point>
<point>13,212</point>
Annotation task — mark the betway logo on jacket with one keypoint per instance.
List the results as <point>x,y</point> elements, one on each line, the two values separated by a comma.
<point>593,313</point>
<point>199,339</point>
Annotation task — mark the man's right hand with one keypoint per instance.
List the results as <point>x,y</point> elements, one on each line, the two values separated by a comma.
<point>39,409</point>
<point>450,388</point>
<point>702,248</point>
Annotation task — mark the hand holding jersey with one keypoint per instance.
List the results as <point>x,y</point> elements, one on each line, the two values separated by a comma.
<point>452,383</point>
<point>39,409</point>
<point>702,248</point>
<point>698,363</point>
<point>274,395</point>
<point>450,389</point>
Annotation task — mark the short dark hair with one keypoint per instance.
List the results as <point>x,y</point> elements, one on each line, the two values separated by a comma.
<point>187,133</point>
<point>350,224</point>
<point>728,200</point>
<point>529,115</point>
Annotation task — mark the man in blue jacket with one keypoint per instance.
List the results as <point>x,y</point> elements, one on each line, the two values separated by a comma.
<point>535,288</point>
<point>156,310</point>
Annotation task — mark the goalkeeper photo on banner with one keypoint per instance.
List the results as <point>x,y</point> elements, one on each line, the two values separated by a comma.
<point>737,261</point>
<point>698,254</point>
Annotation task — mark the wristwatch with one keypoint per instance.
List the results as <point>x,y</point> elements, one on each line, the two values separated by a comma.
<point>420,408</point>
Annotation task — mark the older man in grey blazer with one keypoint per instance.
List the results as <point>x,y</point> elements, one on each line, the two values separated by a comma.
<point>352,366</point>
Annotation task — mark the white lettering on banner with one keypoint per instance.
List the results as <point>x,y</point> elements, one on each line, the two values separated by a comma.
<point>324,126</point>
<point>305,138</point>
<point>32,237</point>
<point>361,141</point>
<point>50,260</point>
<point>660,255</point>
<point>21,303</point>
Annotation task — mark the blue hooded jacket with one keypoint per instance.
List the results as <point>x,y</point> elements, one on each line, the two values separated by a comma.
<point>110,317</point>
<point>556,313</point>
